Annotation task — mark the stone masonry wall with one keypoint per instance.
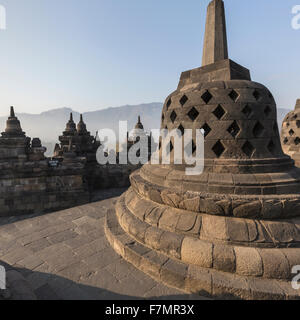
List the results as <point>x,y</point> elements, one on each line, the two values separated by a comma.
<point>33,187</point>
<point>113,176</point>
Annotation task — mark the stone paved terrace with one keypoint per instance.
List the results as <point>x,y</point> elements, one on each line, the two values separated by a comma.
<point>65,255</point>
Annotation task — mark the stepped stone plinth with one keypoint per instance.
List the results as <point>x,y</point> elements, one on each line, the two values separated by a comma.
<point>290,134</point>
<point>234,230</point>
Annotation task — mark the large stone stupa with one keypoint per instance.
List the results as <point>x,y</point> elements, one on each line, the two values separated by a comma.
<point>234,230</point>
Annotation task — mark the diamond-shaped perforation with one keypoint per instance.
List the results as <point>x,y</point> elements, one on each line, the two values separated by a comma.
<point>286,140</point>
<point>169,103</point>
<point>193,114</point>
<point>298,123</point>
<point>271,147</point>
<point>206,129</point>
<point>190,146</point>
<point>247,111</point>
<point>183,100</point>
<point>219,112</point>
<point>233,95</point>
<point>206,97</point>
<point>287,124</point>
<point>268,111</point>
<point>181,129</point>
<point>218,149</point>
<point>173,116</point>
<point>194,147</point>
<point>297,141</point>
<point>170,147</point>
<point>291,132</point>
<point>163,117</point>
<point>248,149</point>
<point>234,129</point>
<point>256,95</point>
<point>258,130</point>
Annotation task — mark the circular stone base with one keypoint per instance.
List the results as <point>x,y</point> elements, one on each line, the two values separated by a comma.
<point>192,278</point>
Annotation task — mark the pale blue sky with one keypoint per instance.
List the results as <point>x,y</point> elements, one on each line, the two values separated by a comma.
<point>92,54</point>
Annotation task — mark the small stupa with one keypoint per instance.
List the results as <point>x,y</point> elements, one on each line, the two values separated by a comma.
<point>234,230</point>
<point>290,134</point>
<point>13,126</point>
<point>83,143</point>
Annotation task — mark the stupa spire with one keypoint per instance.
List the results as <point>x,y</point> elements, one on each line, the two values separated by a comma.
<point>139,124</point>
<point>215,40</point>
<point>81,126</point>
<point>12,112</point>
<point>71,126</point>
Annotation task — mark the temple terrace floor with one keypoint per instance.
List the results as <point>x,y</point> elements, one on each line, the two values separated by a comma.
<point>65,255</point>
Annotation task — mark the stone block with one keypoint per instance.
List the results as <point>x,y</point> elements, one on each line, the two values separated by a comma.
<point>199,281</point>
<point>174,273</point>
<point>152,262</point>
<point>152,237</point>
<point>186,222</point>
<point>191,204</point>
<point>169,220</point>
<point>197,252</point>
<point>237,230</point>
<point>170,244</point>
<point>214,227</point>
<point>248,262</point>
<point>275,264</point>
<point>224,258</point>
<point>229,286</point>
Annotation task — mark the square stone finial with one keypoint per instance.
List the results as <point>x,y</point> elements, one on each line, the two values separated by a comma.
<point>215,40</point>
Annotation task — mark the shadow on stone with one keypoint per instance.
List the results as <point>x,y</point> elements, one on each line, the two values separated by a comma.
<point>24,284</point>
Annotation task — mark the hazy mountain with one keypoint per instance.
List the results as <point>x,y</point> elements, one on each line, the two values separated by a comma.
<point>50,124</point>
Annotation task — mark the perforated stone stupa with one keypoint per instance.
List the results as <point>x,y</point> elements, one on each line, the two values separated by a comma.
<point>290,134</point>
<point>234,230</point>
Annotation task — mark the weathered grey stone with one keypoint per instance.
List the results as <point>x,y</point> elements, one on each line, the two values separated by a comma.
<point>152,237</point>
<point>214,228</point>
<point>174,273</point>
<point>170,244</point>
<point>168,220</point>
<point>275,264</point>
<point>229,286</point>
<point>224,258</point>
<point>152,263</point>
<point>248,261</point>
<point>196,252</point>
<point>199,281</point>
